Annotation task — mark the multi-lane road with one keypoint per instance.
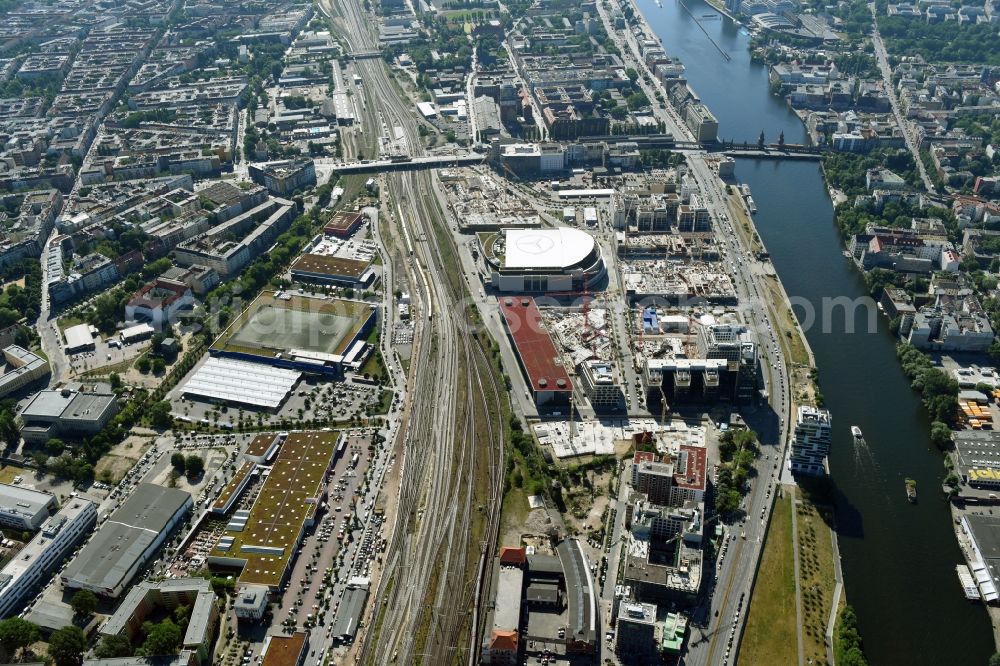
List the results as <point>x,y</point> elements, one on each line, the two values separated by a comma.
<point>718,623</point>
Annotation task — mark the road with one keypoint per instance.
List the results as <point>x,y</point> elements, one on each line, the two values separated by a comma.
<point>718,624</point>
<point>908,133</point>
<point>631,57</point>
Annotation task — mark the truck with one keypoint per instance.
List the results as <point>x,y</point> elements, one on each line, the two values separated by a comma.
<point>354,460</point>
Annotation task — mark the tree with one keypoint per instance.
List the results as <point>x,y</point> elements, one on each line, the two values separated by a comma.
<point>159,416</point>
<point>54,446</point>
<point>940,435</point>
<point>113,646</point>
<point>159,366</point>
<point>194,466</point>
<point>16,633</point>
<point>67,645</point>
<point>162,638</point>
<point>995,659</point>
<point>83,603</point>
<point>143,364</point>
<point>177,461</point>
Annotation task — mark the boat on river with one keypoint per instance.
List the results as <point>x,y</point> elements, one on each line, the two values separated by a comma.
<point>911,491</point>
<point>856,431</point>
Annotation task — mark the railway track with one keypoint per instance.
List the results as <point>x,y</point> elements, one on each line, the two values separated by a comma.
<point>426,605</point>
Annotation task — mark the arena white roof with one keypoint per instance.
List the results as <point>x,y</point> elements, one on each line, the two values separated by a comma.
<point>546,248</point>
<point>243,382</point>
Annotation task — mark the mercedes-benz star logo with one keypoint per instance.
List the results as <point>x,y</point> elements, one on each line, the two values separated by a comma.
<point>535,244</point>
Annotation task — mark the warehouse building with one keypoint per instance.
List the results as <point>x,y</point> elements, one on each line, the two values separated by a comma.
<point>352,607</point>
<point>336,271</point>
<point>23,369</point>
<point>343,224</point>
<point>261,543</point>
<point>34,563</point>
<point>70,412</point>
<point>229,380</point>
<point>23,508</point>
<point>286,650</point>
<point>127,541</point>
<point>79,338</point>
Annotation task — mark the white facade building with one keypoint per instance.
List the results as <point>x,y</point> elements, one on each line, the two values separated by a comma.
<point>34,564</point>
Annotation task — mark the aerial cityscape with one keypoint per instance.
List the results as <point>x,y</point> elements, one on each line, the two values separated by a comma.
<point>624,332</point>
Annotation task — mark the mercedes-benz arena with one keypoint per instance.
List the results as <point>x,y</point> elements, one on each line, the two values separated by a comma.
<point>544,260</point>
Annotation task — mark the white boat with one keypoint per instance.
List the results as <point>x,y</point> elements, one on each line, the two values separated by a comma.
<point>856,431</point>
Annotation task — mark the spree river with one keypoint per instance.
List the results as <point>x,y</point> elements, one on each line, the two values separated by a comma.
<point>898,559</point>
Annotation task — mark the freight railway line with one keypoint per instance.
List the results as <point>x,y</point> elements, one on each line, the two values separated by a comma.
<point>426,602</point>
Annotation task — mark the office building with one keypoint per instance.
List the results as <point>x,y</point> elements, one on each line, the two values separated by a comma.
<point>72,411</point>
<point>636,631</point>
<point>23,369</point>
<point>23,508</point>
<point>33,565</point>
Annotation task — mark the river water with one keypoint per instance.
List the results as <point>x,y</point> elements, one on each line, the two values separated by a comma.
<point>898,559</point>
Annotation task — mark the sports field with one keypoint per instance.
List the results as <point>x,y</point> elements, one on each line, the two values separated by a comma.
<point>273,325</point>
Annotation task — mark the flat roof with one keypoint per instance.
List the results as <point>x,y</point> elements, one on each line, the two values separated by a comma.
<point>21,499</point>
<point>243,382</point>
<point>692,476</point>
<point>287,498</point>
<point>326,265</point>
<point>28,556</point>
<point>123,539</point>
<point>78,336</point>
<point>260,445</point>
<point>342,220</point>
<point>278,321</point>
<point>534,346</point>
<point>285,650</point>
<point>546,248</point>
<point>352,607</point>
<point>507,613</point>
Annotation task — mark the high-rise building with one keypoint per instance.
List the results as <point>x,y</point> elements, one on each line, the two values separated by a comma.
<point>811,441</point>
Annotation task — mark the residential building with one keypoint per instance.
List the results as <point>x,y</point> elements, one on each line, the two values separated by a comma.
<point>283,178</point>
<point>158,302</point>
<point>149,597</point>
<point>810,441</point>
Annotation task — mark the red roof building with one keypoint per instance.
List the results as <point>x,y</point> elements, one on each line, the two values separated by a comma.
<point>515,557</point>
<point>690,473</point>
<point>546,377</point>
<point>343,224</point>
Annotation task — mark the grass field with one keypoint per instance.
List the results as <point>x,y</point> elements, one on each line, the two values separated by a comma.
<point>270,325</point>
<point>769,637</point>
<point>816,570</point>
